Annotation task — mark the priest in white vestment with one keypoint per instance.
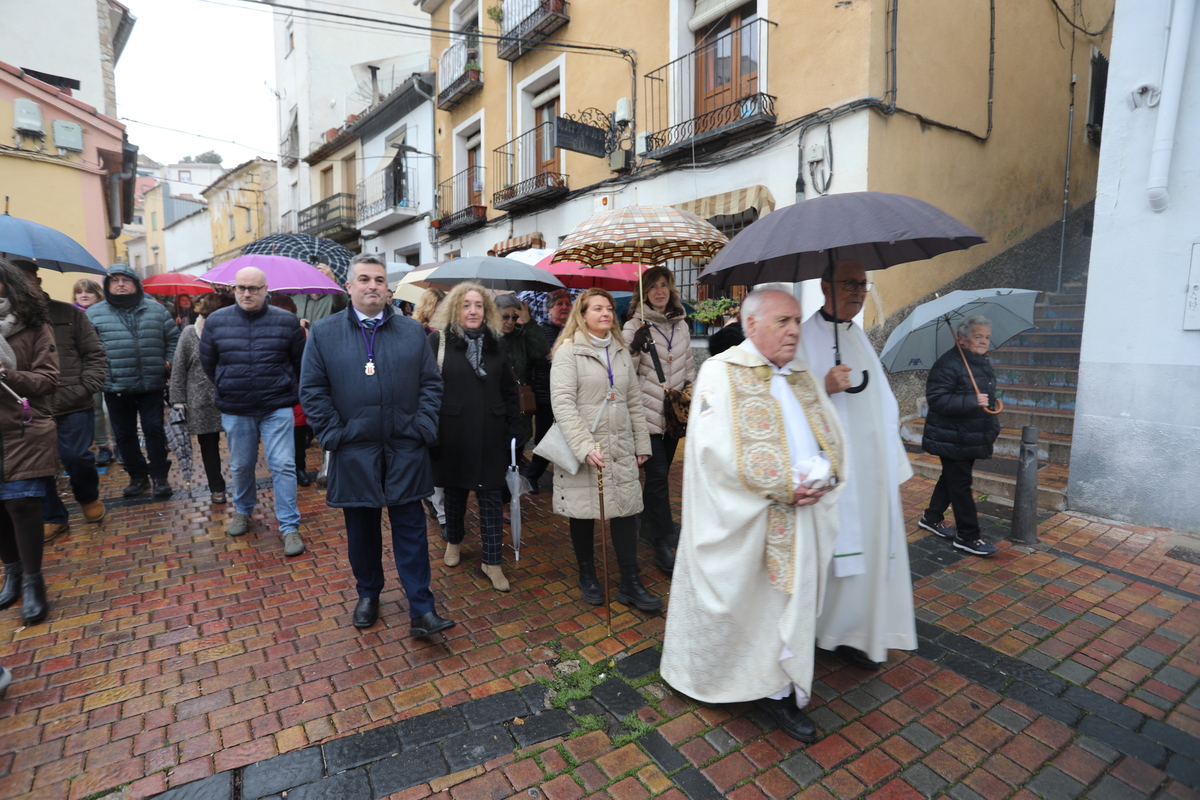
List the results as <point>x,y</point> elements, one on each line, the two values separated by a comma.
<point>763,467</point>
<point>868,598</point>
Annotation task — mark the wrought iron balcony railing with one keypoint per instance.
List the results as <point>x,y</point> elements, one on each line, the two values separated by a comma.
<point>527,22</point>
<point>716,90</point>
<point>529,169</point>
<point>289,148</point>
<point>388,198</point>
<point>332,216</point>
<point>459,72</point>
<point>289,222</point>
<point>460,201</point>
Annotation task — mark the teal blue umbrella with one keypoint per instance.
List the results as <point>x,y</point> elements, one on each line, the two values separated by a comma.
<point>928,332</point>
<point>51,249</point>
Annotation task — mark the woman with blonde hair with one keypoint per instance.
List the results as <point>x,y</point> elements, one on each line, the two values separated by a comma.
<point>427,307</point>
<point>479,417</point>
<point>597,403</point>
<point>657,319</point>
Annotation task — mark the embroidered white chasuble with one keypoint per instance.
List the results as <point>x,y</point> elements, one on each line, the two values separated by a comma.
<point>750,569</point>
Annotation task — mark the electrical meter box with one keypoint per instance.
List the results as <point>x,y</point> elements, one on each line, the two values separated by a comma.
<point>27,117</point>
<point>67,135</point>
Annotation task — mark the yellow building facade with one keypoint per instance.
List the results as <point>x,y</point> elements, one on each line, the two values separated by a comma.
<point>741,108</point>
<point>240,208</point>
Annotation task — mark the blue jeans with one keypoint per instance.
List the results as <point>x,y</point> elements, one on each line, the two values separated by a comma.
<point>74,440</point>
<point>242,432</point>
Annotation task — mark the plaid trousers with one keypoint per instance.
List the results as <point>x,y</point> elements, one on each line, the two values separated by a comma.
<point>491,523</point>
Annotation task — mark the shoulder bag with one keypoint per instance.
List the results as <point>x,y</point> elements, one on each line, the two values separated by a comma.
<point>554,448</point>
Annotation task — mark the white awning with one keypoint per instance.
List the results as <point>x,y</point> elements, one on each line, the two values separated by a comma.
<point>709,11</point>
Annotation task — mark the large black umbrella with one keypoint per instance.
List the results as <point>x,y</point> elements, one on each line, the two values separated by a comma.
<point>307,248</point>
<point>799,242</point>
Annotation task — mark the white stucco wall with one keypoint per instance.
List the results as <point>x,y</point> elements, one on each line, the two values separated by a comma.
<point>71,51</point>
<point>188,243</point>
<point>1136,449</point>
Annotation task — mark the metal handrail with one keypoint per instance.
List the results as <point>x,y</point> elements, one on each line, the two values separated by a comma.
<point>386,190</point>
<point>452,63</point>
<point>457,191</point>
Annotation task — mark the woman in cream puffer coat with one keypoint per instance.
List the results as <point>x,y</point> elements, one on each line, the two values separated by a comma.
<point>658,321</point>
<point>597,403</point>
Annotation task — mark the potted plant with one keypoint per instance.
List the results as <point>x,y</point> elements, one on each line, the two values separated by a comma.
<point>496,13</point>
<point>711,312</point>
<point>472,69</point>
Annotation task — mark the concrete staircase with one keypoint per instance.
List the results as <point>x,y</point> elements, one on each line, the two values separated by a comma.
<point>1037,376</point>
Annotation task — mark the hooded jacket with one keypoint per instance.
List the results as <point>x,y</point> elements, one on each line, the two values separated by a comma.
<point>82,363</point>
<point>139,337</point>
<point>955,426</point>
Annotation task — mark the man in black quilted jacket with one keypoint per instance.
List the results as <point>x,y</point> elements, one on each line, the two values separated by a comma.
<point>251,352</point>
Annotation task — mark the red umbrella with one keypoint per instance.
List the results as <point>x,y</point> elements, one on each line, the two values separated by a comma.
<point>575,275</point>
<point>175,283</point>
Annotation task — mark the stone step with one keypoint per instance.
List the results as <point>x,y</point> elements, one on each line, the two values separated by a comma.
<point>1033,375</point>
<point>1023,396</point>
<point>1062,357</point>
<point>1054,448</point>
<point>996,478</point>
<point>1045,338</point>
<point>1048,420</point>
<point>1045,323</point>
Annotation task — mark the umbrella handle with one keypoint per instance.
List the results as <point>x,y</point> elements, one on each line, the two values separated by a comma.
<point>971,375</point>
<point>861,386</point>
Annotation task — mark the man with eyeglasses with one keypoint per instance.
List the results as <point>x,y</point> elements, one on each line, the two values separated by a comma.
<point>251,352</point>
<point>868,605</point>
<point>139,336</point>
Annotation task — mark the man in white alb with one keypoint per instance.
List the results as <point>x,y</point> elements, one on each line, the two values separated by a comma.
<point>760,477</point>
<point>868,600</point>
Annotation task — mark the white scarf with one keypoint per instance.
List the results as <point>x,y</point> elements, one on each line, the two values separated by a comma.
<point>9,326</point>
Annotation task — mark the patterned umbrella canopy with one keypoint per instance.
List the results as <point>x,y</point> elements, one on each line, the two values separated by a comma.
<point>641,235</point>
<point>307,248</point>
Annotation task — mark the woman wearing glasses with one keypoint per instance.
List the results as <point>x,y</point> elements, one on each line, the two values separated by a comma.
<point>28,438</point>
<point>657,319</point>
<point>479,417</point>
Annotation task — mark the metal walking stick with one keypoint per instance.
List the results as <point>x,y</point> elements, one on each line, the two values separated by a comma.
<point>604,549</point>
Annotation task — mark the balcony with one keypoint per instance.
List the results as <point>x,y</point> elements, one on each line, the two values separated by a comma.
<point>529,169</point>
<point>289,222</point>
<point>334,217</point>
<point>460,203</point>
<point>527,22</point>
<point>387,199</point>
<point>701,99</point>
<point>289,148</point>
<point>459,73</point>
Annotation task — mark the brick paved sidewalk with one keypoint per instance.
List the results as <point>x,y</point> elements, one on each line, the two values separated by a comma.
<point>176,658</point>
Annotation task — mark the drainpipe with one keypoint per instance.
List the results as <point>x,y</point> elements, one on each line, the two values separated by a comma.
<point>116,219</point>
<point>1168,107</point>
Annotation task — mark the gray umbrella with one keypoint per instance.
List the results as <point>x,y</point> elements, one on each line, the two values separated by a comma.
<point>494,273</point>
<point>181,442</point>
<point>799,242</point>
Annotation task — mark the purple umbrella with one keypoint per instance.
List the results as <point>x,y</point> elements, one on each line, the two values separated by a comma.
<point>283,274</point>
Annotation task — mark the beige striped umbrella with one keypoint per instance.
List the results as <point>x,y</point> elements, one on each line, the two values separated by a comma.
<point>649,235</point>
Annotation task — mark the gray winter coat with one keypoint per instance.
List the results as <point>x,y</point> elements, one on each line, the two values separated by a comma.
<point>139,341</point>
<point>378,427</point>
<point>578,389</point>
<point>190,386</point>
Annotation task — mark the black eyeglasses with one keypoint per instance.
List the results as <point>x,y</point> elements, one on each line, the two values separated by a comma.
<point>510,317</point>
<point>248,289</point>
<point>856,286</point>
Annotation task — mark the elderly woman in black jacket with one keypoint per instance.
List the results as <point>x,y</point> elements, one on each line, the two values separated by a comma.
<point>479,417</point>
<point>959,430</point>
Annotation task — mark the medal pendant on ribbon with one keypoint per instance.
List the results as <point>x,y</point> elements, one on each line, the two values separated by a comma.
<point>612,394</point>
<point>370,368</point>
<point>670,358</point>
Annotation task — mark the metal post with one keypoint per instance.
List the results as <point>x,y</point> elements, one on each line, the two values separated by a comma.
<point>1024,518</point>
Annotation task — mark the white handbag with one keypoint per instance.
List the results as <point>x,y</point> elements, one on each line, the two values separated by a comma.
<point>554,448</point>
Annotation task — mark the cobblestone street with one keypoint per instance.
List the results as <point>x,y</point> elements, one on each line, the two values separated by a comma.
<point>176,659</point>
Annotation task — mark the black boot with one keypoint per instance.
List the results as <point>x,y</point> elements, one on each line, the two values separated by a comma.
<point>33,599</point>
<point>632,593</point>
<point>589,587</point>
<point>12,584</point>
<point>136,486</point>
<point>663,556</point>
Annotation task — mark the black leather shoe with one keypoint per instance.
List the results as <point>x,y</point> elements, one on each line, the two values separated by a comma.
<point>304,478</point>
<point>856,658</point>
<point>136,486</point>
<point>430,623</point>
<point>632,593</point>
<point>366,612</point>
<point>533,485</point>
<point>589,587</point>
<point>33,599</point>
<point>12,584</point>
<point>792,721</point>
<point>162,488</point>
<point>664,558</point>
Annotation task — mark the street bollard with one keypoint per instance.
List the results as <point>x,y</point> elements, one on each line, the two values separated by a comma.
<point>1024,518</point>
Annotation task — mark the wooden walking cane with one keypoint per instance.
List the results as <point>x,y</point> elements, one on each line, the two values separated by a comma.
<point>971,375</point>
<point>604,548</point>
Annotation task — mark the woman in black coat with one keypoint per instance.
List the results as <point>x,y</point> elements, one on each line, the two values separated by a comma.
<point>959,430</point>
<point>480,416</point>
